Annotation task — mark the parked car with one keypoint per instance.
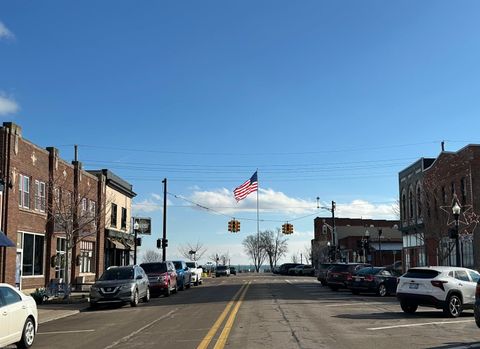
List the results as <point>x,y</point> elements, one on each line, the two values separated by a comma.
<point>307,270</point>
<point>222,270</point>
<point>233,271</point>
<point>196,271</point>
<point>449,288</point>
<point>276,270</point>
<point>321,272</point>
<point>340,274</point>
<point>162,277</point>
<point>295,270</point>
<point>373,279</point>
<point>126,284</point>
<point>476,308</point>
<point>19,322</point>
<point>284,268</point>
<point>184,276</point>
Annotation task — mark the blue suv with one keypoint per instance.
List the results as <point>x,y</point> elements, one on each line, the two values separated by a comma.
<point>184,276</point>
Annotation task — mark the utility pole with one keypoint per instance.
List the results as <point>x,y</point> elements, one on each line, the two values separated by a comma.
<point>334,233</point>
<point>164,239</point>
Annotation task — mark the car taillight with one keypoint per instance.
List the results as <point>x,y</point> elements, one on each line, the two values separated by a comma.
<point>349,277</point>
<point>477,291</point>
<point>439,284</point>
<point>369,278</point>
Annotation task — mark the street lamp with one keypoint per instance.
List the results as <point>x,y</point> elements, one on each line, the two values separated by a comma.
<point>365,245</point>
<point>136,226</point>
<point>456,213</point>
<point>380,232</point>
<point>329,254</point>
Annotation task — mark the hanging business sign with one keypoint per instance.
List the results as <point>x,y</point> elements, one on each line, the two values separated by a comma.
<point>142,225</point>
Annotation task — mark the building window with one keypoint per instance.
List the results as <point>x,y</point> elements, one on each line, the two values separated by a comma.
<point>84,205</point>
<point>40,196</point>
<point>410,203</point>
<point>444,196</point>
<point>463,191</point>
<point>32,263</point>
<point>93,207</point>
<point>24,191</point>
<point>86,257</point>
<point>60,258</point>
<point>404,206</point>
<point>113,216</point>
<point>452,189</point>
<point>419,202</point>
<point>124,218</point>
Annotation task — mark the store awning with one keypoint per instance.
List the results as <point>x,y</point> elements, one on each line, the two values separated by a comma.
<point>116,244</point>
<point>5,241</point>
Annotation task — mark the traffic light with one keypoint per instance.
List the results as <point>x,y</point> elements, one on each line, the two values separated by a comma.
<point>159,243</point>
<point>230,225</point>
<point>237,226</point>
<point>139,242</point>
<point>284,228</point>
<point>165,243</point>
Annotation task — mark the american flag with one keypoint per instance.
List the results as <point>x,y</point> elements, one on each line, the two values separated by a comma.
<point>246,188</point>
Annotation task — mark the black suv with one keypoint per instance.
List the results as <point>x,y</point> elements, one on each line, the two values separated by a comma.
<point>284,268</point>
<point>339,275</point>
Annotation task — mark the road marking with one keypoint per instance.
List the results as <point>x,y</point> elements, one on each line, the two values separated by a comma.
<point>355,303</point>
<point>126,338</point>
<point>66,332</point>
<point>222,340</point>
<point>419,324</point>
<point>208,338</point>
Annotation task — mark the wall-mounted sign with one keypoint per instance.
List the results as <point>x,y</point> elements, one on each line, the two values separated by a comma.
<point>142,225</point>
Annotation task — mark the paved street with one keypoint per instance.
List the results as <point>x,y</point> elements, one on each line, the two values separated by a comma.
<point>267,312</point>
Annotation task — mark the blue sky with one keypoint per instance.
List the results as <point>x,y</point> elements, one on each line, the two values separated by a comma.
<point>326,98</point>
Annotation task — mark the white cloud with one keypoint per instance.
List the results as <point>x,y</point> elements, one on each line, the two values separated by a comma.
<point>146,206</point>
<point>7,105</point>
<point>5,32</point>
<point>364,209</point>
<point>156,196</point>
<point>222,200</point>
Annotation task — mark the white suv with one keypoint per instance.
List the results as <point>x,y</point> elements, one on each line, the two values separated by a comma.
<point>196,271</point>
<point>449,288</point>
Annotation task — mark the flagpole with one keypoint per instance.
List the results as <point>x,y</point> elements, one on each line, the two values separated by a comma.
<point>258,220</point>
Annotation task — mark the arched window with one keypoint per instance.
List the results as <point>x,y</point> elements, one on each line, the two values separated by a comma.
<point>410,203</point>
<point>419,201</point>
<point>403,204</point>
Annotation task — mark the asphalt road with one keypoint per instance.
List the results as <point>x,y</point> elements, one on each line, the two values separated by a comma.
<point>261,311</point>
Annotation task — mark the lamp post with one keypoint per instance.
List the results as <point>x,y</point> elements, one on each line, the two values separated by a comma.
<point>365,245</point>
<point>135,229</point>
<point>456,213</point>
<point>380,232</point>
<point>328,248</point>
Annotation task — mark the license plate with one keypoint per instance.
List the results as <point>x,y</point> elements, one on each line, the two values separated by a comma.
<point>414,286</point>
<point>358,279</point>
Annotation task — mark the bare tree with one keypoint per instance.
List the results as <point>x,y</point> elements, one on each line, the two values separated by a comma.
<point>151,256</point>
<point>295,258</point>
<point>192,251</point>
<point>72,216</point>
<point>275,245</point>
<point>220,258</point>
<point>255,249</point>
<point>307,252</point>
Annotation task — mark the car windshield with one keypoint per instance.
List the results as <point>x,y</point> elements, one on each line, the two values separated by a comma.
<point>117,274</point>
<point>191,265</point>
<point>154,267</point>
<point>178,265</point>
<point>221,267</point>
<point>339,268</point>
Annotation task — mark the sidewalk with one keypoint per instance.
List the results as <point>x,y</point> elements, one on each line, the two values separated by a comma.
<point>54,310</point>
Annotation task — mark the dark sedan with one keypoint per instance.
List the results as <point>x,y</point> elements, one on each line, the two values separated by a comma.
<point>373,280</point>
<point>339,274</point>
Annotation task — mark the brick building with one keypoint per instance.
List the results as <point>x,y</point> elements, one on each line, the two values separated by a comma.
<point>383,249</point>
<point>49,207</point>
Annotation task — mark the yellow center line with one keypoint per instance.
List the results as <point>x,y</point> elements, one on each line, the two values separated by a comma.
<point>222,340</point>
<point>208,338</point>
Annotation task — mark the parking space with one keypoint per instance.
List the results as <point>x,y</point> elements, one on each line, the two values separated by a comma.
<point>369,318</point>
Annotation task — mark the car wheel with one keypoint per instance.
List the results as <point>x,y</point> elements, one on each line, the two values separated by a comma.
<point>93,305</point>
<point>187,286</point>
<point>476,312</point>
<point>182,286</point>
<point>134,301</point>
<point>382,290</point>
<point>175,289</point>
<point>167,291</point>
<point>355,292</point>
<point>28,334</point>
<point>146,299</point>
<point>453,308</point>
<point>408,308</point>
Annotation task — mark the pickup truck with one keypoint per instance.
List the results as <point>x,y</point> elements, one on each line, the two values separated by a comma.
<point>196,271</point>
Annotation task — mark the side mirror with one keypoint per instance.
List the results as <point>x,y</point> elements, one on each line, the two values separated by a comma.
<point>186,269</point>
